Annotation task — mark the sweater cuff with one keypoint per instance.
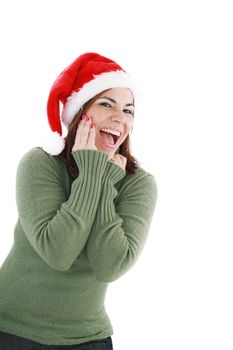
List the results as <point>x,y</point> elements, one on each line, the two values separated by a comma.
<point>114,172</point>
<point>88,159</point>
<point>86,188</point>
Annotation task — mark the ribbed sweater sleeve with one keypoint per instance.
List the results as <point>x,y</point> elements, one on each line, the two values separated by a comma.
<point>122,224</point>
<point>57,227</point>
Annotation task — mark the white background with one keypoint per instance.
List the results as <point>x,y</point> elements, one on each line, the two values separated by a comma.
<point>179,294</point>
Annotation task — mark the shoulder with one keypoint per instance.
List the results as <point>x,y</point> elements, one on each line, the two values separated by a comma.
<point>141,181</point>
<point>36,153</point>
<point>37,160</point>
<point>141,176</point>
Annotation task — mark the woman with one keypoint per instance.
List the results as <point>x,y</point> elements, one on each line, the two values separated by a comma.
<point>85,208</point>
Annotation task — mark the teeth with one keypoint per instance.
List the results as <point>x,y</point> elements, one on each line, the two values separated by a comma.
<point>110,131</point>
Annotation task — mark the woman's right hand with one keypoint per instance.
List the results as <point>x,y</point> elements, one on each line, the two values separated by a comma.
<point>85,134</point>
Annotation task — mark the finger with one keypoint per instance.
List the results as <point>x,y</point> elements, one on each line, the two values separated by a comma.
<point>79,139</point>
<point>92,137</point>
<point>85,135</point>
<point>84,132</point>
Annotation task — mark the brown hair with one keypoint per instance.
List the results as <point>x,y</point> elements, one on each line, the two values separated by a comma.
<point>124,149</point>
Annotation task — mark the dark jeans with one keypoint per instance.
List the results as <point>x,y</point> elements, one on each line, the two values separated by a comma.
<point>13,342</point>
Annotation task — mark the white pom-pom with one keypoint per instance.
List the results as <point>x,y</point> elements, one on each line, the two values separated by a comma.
<point>53,143</point>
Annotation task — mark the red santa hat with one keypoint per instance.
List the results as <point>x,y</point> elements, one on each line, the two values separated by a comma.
<point>83,79</point>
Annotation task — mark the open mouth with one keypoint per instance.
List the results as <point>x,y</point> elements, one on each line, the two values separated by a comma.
<point>109,138</point>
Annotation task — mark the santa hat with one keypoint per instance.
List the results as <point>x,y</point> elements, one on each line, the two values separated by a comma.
<point>87,76</point>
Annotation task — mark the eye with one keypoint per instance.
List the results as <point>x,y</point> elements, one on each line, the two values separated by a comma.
<point>105,104</point>
<point>128,111</point>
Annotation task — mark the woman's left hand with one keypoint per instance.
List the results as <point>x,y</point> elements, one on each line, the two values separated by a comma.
<point>119,160</point>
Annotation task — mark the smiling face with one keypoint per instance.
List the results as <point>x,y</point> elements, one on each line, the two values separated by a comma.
<point>113,113</point>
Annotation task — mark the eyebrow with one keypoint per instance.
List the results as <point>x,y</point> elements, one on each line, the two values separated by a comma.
<point>111,99</point>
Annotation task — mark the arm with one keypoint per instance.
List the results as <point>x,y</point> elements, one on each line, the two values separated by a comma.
<point>57,227</point>
<point>120,230</point>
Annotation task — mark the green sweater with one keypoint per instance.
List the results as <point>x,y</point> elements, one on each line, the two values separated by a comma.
<point>71,239</point>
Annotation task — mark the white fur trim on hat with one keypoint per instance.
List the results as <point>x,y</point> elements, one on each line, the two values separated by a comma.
<point>53,143</point>
<point>100,83</point>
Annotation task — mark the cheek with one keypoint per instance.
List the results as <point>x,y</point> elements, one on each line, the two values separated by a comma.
<point>98,116</point>
<point>130,125</point>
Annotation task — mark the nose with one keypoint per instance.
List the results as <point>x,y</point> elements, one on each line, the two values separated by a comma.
<point>118,116</point>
